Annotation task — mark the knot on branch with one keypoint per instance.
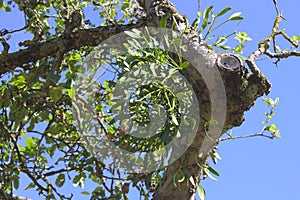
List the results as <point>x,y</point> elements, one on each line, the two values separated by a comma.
<point>229,62</point>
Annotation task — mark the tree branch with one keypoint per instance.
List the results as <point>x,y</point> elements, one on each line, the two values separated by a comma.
<point>81,38</point>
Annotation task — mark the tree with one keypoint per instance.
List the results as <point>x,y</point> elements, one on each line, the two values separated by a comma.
<point>43,119</point>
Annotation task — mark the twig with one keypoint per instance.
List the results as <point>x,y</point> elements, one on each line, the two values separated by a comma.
<point>4,32</point>
<point>259,134</point>
<point>264,45</point>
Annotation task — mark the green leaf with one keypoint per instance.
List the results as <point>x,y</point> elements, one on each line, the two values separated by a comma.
<point>270,102</point>
<point>71,92</point>
<point>212,170</point>
<point>60,180</point>
<point>16,181</point>
<point>207,12</point>
<point>79,180</point>
<point>223,12</point>
<point>207,172</point>
<point>224,47</point>
<point>296,38</point>
<point>238,49</point>
<point>29,186</point>
<point>55,94</point>
<point>201,192</point>
<point>242,37</point>
<point>212,122</point>
<point>4,7</point>
<point>85,193</point>
<point>196,23</point>
<point>163,21</point>
<point>271,128</point>
<point>184,65</point>
<point>236,16</point>
<point>29,143</point>
<point>19,82</point>
<point>221,41</point>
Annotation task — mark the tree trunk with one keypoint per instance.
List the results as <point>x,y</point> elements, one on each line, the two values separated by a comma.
<point>241,91</point>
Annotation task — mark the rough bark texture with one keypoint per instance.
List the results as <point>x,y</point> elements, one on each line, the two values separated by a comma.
<point>242,88</point>
<point>62,44</point>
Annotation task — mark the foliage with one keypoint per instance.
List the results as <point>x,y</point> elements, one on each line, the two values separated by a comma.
<point>39,139</point>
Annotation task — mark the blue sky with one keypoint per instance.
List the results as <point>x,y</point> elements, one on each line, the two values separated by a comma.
<point>256,168</point>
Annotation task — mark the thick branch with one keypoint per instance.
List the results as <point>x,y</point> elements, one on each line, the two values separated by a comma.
<point>76,40</point>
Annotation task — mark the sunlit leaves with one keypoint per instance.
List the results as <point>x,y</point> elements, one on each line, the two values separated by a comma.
<point>185,64</point>
<point>163,21</point>
<point>196,22</point>
<point>206,14</point>
<point>209,25</point>
<point>270,102</point>
<point>273,129</point>
<point>242,37</point>
<point>235,17</point>
<point>201,192</point>
<point>208,171</point>
<point>4,7</point>
<point>223,12</point>
<point>30,143</point>
<point>296,38</point>
<point>79,180</point>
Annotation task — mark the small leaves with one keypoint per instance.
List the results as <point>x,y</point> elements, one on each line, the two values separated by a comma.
<point>55,94</point>
<point>270,102</point>
<point>221,41</point>
<point>242,37</point>
<point>163,21</point>
<point>16,181</point>
<point>30,143</point>
<point>79,180</point>
<point>85,193</point>
<point>60,180</point>
<point>236,16</point>
<point>4,7</point>
<point>196,22</point>
<point>223,12</point>
<point>71,92</point>
<point>184,65</point>
<point>296,38</point>
<point>207,12</point>
<point>201,192</point>
<point>213,171</point>
<point>272,128</point>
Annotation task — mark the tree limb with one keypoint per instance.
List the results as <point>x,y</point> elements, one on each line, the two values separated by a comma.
<point>81,38</point>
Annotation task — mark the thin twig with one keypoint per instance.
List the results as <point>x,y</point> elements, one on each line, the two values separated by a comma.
<point>4,32</point>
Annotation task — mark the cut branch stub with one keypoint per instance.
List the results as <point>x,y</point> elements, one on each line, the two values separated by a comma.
<point>229,62</point>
